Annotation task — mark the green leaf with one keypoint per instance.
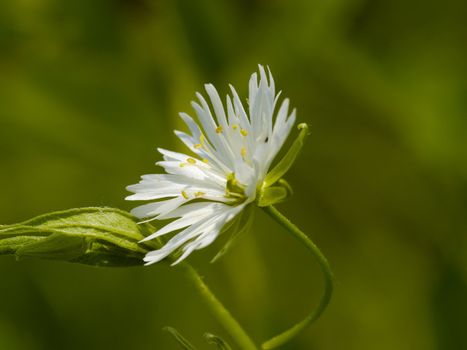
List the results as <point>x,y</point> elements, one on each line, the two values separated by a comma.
<point>185,344</point>
<point>218,341</point>
<point>55,246</point>
<point>92,236</point>
<point>286,162</point>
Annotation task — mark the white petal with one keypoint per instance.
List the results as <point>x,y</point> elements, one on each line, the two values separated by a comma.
<point>210,232</point>
<point>178,240</point>
<point>281,115</point>
<point>177,168</point>
<point>151,195</point>
<point>240,111</point>
<point>170,155</point>
<point>194,128</point>
<point>217,105</point>
<point>205,117</point>
<point>196,171</point>
<point>252,91</point>
<point>201,208</point>
<point>173,226</point>
<point>157,208</point>
<point>210,154</point>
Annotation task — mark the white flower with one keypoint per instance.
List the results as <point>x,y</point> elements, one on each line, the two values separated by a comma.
<point>234,151</point>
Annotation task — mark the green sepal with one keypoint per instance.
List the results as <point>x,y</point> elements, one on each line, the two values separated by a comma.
<point>184,344</point>
<point>274,194</point>
<point>91,236</point>
<point>286,162</point>
<point>218,341</point>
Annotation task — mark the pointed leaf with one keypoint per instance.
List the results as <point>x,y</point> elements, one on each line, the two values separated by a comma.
<point>92,236</point>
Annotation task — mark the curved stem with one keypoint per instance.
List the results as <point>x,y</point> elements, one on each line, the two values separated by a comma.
<point>223,315</point>
<point>328,279</point>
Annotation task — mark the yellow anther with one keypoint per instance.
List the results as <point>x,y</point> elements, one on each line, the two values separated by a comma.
<point>202,139</point>
<point>183,164</point>
<point>191,161</point>
<point>205,160</point>
<point>199,194</point>
<point>243,152</point>
<point>198,146</point>
<point>219,129</point>
<point>185,195</point>
<point>244,132</point>
<point>235,126</point>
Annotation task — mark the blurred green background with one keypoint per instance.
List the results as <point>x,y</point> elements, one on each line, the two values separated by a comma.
<point>89,89</point>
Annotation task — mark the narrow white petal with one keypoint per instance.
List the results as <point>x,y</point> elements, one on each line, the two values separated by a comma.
<point>201,208</point>
<point>207,152</point>
<point>173,226</point>
<point>217,105</point>
<point>204,116</point>
<point>210,232</point>
<point>240,110</point>
<point>194,128</point>
<point>157,208</point>
<point>177,168</point>
<point>252,91</point>
<point>281,115</point>
<point>178,240</point>
<point>144,196</point>
<point>170,155</point>
<point>271,82</point>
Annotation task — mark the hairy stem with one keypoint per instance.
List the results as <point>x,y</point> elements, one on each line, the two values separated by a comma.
<point>328,279</point>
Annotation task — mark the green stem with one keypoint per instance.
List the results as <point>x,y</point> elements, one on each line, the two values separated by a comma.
<point>328,278</point>
<point>222,314</point>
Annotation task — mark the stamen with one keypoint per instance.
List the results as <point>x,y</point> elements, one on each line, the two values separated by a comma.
<point>235,126</point>
<point>198,146</point>
<point>185,195</point>
<point>205,160</point>
<point>244,132</point>
<point>199,194</point>
<point>234,189</point>
<point>243,152</point>
<point>183,164</point>
<point>233,194</point>
<point>219,129</point>
<point>191,161</point>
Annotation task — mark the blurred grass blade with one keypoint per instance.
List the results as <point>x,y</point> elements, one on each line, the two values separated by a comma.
<point>93,236</point>
<point>185,344</point>
<point>218,341</point>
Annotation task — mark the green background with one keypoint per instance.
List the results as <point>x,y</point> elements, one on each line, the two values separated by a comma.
<point>89,89</point>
